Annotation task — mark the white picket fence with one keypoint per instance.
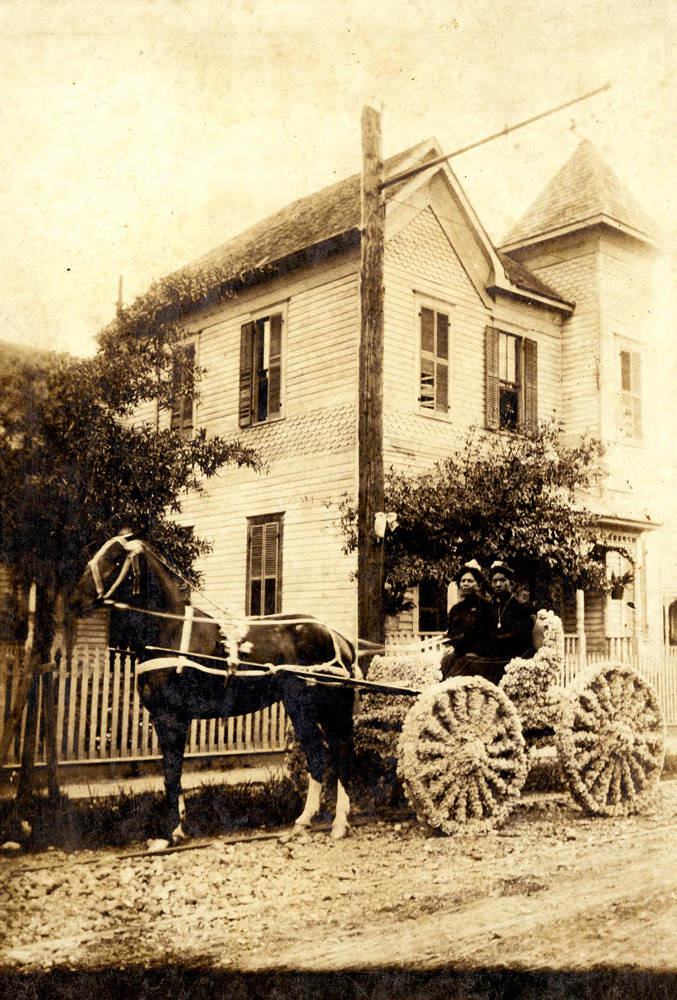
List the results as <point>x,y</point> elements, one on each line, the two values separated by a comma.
<point>99,716</point>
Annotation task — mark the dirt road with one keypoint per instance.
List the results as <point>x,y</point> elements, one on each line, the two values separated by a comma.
<point>551,890</point>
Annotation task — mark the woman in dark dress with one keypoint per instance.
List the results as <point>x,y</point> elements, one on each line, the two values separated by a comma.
<point>468,624</point>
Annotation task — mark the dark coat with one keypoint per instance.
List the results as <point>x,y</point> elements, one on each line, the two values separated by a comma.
<point>468,625</point>
<point>510,631</point>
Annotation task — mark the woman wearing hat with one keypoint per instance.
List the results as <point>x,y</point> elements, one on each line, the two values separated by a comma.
<point>468,623</point>
<point>510,631</point>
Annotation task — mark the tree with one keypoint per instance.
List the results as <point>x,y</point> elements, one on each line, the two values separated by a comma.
<point>78,464</point>
<point>511,496</point>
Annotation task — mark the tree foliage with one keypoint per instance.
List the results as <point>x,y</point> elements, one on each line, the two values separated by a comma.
<point>511,496</point>
<point>77,467</point>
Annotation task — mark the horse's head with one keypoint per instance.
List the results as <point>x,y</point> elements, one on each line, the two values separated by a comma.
<point>105,572</point>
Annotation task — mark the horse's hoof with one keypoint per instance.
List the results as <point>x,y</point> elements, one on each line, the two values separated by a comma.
<point>340,831</point>
<point>157,845</point>
<point>178,836</point>
<point>298,833</point>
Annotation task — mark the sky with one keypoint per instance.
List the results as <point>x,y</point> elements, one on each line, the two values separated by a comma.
<point>139,134</point>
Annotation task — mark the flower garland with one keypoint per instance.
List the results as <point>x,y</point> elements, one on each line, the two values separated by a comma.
<point>461,755</point>
<point>378,726</point>
<point>611,741</point>
<point>532,684</point>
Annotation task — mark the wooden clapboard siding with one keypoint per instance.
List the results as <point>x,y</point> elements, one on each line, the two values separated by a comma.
<point>93,630</point>
<point>571,265</point>
<point>423,267</point>
<point>595,634</point>
<point>421,264</point>
<point>310,451</point>
<point>319,343</point>
<point>316,576</point>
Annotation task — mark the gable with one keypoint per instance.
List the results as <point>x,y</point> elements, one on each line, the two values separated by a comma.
<point>423,250</point>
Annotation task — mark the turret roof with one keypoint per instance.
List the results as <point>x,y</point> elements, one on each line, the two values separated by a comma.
<point>585,191</point>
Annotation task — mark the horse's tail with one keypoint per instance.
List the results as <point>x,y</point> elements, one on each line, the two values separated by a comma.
<point>346,653</point>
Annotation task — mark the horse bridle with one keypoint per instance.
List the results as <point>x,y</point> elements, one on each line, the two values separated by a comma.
<point>133,548</point>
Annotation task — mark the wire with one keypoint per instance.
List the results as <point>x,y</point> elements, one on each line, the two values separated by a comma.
<point>406,174</point>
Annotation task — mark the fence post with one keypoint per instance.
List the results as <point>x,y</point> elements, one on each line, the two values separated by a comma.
<point>27,773</point>
<point>49,714</point>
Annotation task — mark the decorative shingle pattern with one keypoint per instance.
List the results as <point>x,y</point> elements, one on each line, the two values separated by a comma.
<point>423,247</point>
<point>583,189</point>
<point>332,429</point>
<point>421,432</point>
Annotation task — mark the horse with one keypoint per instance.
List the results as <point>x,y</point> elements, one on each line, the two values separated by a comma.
<point>200,675</point>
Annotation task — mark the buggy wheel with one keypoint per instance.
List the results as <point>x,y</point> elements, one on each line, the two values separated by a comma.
<point>461,755</point>
<point>611,741</point>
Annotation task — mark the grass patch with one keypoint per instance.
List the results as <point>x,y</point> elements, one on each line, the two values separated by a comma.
<point>116,821</point>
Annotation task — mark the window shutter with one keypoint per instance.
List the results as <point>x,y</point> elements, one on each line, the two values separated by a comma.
<point>530,385</point>
<point>636,389</point>
<point>181,417</point>
<point>264,566</point>
<point>246,363</point>
<point>442,366</point>
<point>275,366</point>
<point>255,569</point>
<point>491,378</point>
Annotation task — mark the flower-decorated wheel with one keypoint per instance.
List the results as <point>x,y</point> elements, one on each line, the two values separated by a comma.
<point>611,741</point>
<point>461,755</point>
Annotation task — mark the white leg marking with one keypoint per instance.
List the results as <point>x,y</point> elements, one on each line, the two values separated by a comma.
<point>182,808</point>
<point>341,827</point>
<point>178,835</point>
<point>312,806</point>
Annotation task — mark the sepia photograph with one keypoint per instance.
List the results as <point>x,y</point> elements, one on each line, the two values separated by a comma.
<point>338,500</point>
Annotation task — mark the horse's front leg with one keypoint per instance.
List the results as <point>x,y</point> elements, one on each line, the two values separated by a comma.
<point>172,731</point>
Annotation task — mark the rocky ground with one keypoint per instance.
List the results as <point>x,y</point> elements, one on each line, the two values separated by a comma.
<point>551,890</point>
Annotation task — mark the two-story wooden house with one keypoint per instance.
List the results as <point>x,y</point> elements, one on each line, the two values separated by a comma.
<point>557,324</point>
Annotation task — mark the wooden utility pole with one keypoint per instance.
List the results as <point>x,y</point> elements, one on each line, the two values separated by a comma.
<point>370,432</point>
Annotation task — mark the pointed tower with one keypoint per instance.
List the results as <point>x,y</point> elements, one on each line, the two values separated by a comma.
<point>589,238</point>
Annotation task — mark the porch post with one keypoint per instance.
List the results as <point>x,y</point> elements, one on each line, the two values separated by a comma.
<point>580,627</point>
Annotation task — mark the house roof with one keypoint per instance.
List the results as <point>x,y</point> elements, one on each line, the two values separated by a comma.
<point>583,192</point>
<point>332,213</point>
<point>521,276</point>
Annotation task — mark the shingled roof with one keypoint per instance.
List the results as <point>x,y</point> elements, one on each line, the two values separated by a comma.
<point>332,214</point>
<point>583,192</point>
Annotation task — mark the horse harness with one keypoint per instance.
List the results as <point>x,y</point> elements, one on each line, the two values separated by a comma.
<point>133,549</point>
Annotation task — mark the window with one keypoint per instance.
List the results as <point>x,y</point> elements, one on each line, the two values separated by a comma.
<point>630,416</point>
<point>432,606</point>
<point>672,624</point>
<point>434,364</point>
<point>264,564</point>
<point>261,369</point>
<point>183,401</point>
<point>511,381</point>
